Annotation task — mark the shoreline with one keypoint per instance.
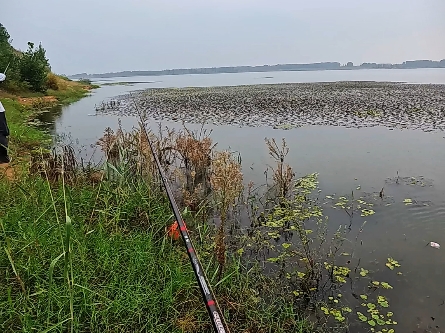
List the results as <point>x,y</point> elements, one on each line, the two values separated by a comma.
<point>153,73</point>
<point>22,109</point>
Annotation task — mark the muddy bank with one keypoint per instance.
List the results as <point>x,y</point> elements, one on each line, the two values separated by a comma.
<point>350,104</point>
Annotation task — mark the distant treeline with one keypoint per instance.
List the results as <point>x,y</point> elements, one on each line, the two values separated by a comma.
<point>266,68</point>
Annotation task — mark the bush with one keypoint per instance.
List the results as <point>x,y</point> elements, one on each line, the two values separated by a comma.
<point>52,82</point>
<point>85,81</point>
<point>34,67</point>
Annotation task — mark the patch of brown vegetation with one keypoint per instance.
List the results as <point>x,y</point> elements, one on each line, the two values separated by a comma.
<point>7,171</point>
<point>31,101</point>
<point>5,94</point>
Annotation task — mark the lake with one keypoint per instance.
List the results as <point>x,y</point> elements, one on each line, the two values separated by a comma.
<point>346,159</point>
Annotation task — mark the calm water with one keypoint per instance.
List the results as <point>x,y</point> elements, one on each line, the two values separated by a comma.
<point>345,159</point>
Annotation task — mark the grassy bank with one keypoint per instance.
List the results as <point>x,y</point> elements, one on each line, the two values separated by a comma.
<point>23,137</point>
<point>83,252</point>
<point>23,107</point>
<point>67,91</point>
<point>118,273</point>
<point>95,258</point>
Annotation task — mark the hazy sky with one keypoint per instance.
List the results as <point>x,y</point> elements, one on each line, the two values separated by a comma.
<point>109,35</point>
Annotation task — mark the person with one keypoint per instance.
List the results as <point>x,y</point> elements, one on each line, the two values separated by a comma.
<point>4,131</point>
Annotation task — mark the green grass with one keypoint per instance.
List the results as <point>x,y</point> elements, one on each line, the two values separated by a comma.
<point>23,137</point>
<point>70,95</point>
<point>110,267</point>
<point>124,278</point>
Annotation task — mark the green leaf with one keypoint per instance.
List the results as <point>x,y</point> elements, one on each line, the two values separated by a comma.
<point>363,272</point>
<point>367,212</point>
<point>380,321</point>
<point>371,322</point>
<point>364,297</point>
<point>361,316</point>
<point>390,266</point>
<point>286,245</point>
<point>382,301</point>
<point>386,285</point>
<point>273,259</point>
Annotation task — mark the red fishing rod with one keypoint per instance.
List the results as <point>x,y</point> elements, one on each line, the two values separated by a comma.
<point>216,317</point>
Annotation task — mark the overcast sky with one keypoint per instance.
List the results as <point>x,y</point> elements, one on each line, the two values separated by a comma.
<point>97,36</point>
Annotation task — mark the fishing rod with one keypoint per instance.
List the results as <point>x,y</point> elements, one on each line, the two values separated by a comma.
<point>218,322</point>
<point>9,63</point>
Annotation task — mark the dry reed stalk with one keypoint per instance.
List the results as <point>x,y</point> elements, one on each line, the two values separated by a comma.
<point>108,145</point>
<point>283,173</point>
<point>227,184</point>
<point>51,164</point>
<point>195,154</point>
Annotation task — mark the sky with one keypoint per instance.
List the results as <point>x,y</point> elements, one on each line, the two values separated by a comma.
<point>97,36</point>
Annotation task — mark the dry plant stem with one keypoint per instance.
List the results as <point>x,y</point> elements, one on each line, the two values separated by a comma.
<point>283,173</point>
<point>227,184</point>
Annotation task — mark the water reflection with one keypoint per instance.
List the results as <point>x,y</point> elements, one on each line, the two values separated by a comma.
<point>49,117</point>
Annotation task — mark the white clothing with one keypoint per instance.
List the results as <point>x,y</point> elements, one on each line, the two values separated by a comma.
<point>2,109</point>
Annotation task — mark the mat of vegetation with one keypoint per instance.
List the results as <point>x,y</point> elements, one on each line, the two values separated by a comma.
<point>350,104</point>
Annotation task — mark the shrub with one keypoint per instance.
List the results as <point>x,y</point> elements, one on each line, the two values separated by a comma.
<point>34,67</point>
<point>52,82</point>
<point>85,81</point>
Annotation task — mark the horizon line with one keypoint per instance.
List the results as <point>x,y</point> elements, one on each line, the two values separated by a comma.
<point>336,63</point>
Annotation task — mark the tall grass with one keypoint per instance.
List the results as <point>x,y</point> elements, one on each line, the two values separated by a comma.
<point>83,256</point>
<point>114,273</point>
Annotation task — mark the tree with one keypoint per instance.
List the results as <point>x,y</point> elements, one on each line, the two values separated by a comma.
<point>4,35</point>
<point>6,50</point>
<point>34,67</point>
<point>9,57</point>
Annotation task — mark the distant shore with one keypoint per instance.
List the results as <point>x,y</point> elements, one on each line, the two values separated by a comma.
<point>321,66</point>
